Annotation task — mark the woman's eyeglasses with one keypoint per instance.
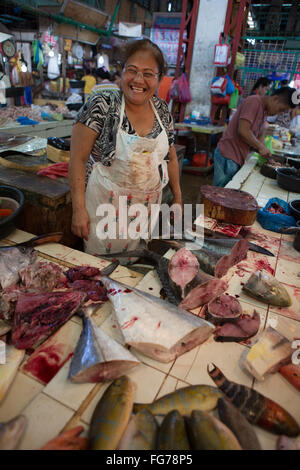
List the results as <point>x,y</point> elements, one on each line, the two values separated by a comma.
<point>132,72</point>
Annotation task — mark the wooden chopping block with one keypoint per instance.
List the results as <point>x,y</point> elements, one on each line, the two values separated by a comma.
<point>229,205</point>
<point>57,155</point>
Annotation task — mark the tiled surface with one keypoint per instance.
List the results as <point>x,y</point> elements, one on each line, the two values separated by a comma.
<point>62,404</point>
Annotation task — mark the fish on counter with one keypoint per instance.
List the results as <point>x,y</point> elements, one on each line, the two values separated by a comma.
<point>216,256</point>
<point>263,286</point>
<point>286,443</point>
<point>11,432</point>
<point>182,269</point>
<point>184,400</point>
<point>196,290</point>
<point>172,433</point>
<point>97,357</point>
<point>162,268</point>
<point>111,415</point>
<point>38,315</point>
<point>141,432</point>
<point>208,433</point>
<point>15,257</point>
<point>256,408</point>
<point>216,259</point>
<point>237,423</point>
<point>271,351</point>
<point>222,309</point>
<point>42,276</point>
<point>8,371</point>
<point>291,372</point>
<point>156,328</point>
<point>243,328</point>
<point>68,440</point>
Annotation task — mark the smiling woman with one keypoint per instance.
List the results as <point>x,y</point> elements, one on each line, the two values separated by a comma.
<point>118,143</point>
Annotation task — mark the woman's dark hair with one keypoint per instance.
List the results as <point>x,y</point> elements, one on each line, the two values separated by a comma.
<point>285,94</point>
<point>147,45</point>
<point>103,73</point>
<point>262,81</point>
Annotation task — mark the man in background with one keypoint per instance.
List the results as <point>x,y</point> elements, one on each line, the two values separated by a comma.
<point>245,131</point>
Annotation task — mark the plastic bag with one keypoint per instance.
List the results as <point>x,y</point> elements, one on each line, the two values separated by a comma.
<point>234,98</point>
<point>275,222</point>
<point>222,52</point>
<point>219,86</point>
<point>180,90</point>
<point>230,86</point>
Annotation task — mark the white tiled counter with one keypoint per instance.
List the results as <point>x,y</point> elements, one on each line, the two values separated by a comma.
<point>59,404</point>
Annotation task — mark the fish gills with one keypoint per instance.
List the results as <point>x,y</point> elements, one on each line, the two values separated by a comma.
<point>238,424</point>
<point>111,415</point>
<point>141,432</point>
<point>266,288</point>
<point>172,433</point>
<point>256,408</point>
<point>208,433</point>
<point>184,400</point>
<point>11,432</point>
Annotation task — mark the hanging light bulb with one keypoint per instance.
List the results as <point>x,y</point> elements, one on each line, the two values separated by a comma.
<point>23,64</point>
<point>100,61</point>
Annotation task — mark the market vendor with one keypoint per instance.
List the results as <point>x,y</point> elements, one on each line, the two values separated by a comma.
<point>246,130</point>
<point>119,147</point>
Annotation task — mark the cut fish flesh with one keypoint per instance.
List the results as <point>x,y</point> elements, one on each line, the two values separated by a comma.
<point>153,326</point>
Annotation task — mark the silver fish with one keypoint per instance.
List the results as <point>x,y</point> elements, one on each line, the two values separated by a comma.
<point>11,432</point>
<point>153,326</point>
<point>98,357</point>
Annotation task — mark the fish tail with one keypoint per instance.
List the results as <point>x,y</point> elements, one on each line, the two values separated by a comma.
<point>218,377</point>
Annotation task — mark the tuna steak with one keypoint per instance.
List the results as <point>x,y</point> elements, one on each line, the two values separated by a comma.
<point>243,328</point>
<point>266,288</point>
<point>183,267</point>
<point>97,357</point>
<point>202,290</point>
<point>37,316</point>
<point>153,326</point>
<point>224,308</point>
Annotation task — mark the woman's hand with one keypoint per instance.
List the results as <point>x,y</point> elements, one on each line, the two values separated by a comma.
<point>81,224</point>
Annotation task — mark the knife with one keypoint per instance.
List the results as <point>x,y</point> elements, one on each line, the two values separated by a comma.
<point>226,240</point>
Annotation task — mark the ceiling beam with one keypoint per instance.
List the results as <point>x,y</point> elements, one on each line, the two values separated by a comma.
<point>274,17</point>
<point>290,26</point>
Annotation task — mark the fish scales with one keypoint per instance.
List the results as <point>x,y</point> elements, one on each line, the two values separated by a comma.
<point>238,424</point>
<point>257,408</point>
<point>184,400</point>
<point>172,433</point>
<point>111,415</point>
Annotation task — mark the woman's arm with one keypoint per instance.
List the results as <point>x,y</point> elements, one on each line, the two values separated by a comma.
<point>82,142</point>
<point>173,170</point>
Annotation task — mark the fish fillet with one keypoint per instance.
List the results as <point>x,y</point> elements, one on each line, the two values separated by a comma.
<point>153,326</point>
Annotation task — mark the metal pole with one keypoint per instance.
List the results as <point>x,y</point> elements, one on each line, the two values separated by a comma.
<point>113,17</point>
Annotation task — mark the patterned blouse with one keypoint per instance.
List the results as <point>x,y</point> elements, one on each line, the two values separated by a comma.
<point>102,114</point>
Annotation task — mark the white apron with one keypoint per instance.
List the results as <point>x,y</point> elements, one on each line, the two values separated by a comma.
<point>134,173</point>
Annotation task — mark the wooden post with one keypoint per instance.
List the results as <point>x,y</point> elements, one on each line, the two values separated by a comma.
<point>63,63</point>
